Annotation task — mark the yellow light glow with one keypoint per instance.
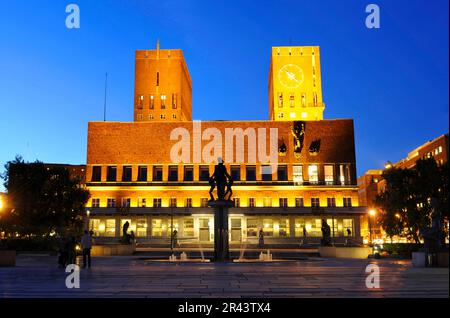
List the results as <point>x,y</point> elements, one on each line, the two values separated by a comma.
<point>1,203</point>
<point>266,225</point>
<point>101,227</point>
<point>397,216</point>
<point>372,212</point>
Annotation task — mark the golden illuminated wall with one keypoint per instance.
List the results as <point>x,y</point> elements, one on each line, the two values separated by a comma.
<point>295,85</point>
<point>162,90</point>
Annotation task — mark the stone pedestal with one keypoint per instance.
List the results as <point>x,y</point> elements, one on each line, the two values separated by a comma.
<point>221,247</point>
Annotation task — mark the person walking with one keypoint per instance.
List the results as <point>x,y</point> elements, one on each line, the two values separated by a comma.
<point>86,245</point>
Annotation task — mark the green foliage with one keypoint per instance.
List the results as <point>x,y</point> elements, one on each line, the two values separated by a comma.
<point>402,249</point>
<point>405,203</point>
<point>41,200</point>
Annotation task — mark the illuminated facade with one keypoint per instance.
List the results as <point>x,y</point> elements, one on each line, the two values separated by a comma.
<point>154,172</point>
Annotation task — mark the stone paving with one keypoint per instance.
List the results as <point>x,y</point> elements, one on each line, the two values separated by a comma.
<point>37,276</point>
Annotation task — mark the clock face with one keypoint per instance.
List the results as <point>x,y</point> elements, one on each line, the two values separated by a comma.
<point>291,76</point>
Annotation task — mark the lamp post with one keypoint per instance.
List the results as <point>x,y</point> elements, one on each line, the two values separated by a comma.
<point>372,213</point>
<point>88,213</point>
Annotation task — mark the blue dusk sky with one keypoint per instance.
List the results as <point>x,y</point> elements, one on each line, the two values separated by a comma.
<point>393,81</point>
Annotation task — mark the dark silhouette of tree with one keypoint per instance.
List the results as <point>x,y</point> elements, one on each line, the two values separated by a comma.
<point>405,203</point>
<point>41,200</point>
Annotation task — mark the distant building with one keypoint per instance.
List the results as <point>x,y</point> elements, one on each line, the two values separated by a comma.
<point>75,171</point>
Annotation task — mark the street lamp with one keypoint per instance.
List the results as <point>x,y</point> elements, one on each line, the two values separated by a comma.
<point>88,213</point>
<point>372,213</point>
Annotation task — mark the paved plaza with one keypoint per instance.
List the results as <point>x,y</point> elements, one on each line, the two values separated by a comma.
<point>38,276</point>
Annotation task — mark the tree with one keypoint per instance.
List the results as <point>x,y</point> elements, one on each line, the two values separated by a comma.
<point>405,202</point>
<point>42,200</point>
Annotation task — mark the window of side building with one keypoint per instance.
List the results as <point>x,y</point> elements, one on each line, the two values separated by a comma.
<point>111,203</point>
<point>142,173</point>
<point>283,202</point>
<point>252,227</point>
<point>188,227</point>
<point>347,224</point>
<point>237,202</point>
<point>163,101</point>
<point>283,228</point>
<point>157,173</point>
<point>126,202</point>
<point>173,173</point>
<point>173,202</point>
<point>236,173</point>
<point>96,174</point>
<point>268,227</point>
<point>141,227</point>
<point>188,173</point>
<point>95,203</point>
<point>126,173</point>
<point>174,101</point>
<point>188,203</point>
<point>111,174</point>
<point>140,102</point>
<point>110,227</point>
<point>203,173</point>
<point>142,202</point>
<point>204,202</point>
<point>157,227</point>
<point>251,202</point>
<point>152,102</point>
<point>250,173</point>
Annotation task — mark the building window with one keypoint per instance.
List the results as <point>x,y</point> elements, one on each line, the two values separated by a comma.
<point>303,100</point>
<point>204,202</point>
<point>141,227</point>
<point>237,202</point>
<point>282,173</point>
<point>250,173</point>
<point>126,202</point>
<point>188,227</point>
<point>252,227</point>
<point>95,203</point>
<point>189,202</point>
<point>174,116</point>
<point>347,202</point>
<point>251,202</point>
<point>440,149</point>
<point>188,173</point>
<point>280,115</point>
<point>156,202</point>
<point>111,175</point>
<point>142,173</point>
<point>203,173</point>
<point>140,101</point>
<point>315,202</point>
<point>174,101</point>
<point>142,202</point>
<point>297,175</point>
<point>151,117</point>
<point>152,102</point>
<point>236,173</point>
<point>162,116</point>
<point>111,203</point>
<point>96,174</point>
<point>157,228</point>
<point>331,202</point>
<point>267,202</point>
<point>173,173</point>
<point>283,202</point>
<point>299,202</point>
<point>313,174</point>
<point>344,174</point>
<point>157,173</point>
<point>300,228</point>
<point>173,202</point>
<point>347,225</point>
<point>126,173</point>
<point>140,117</point>
<point>280,100</point>
<point>110,227</point>
<point>266,173</point>
<point>329,175</point>
<point>157,78</point>
<point>283,228</point>
<point>268,227</point>
<point>163,101</point>
<point>315,96</point>
<point>291,101</point>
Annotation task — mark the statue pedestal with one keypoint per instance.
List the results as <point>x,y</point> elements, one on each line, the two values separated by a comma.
<point>221,246</point>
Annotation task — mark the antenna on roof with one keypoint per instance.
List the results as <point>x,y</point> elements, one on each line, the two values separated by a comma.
<point>157,49</point>
<point>104,105</point>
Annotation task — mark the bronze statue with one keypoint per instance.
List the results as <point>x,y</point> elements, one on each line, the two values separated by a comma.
<point>326,234</point>
<point>432,235</point>
<point>126,238</point>
<point>222,180</point>
<point>298,131</point>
